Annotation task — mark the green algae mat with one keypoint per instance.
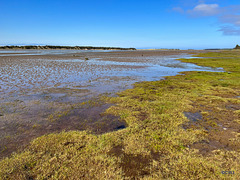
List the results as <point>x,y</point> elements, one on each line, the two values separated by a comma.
<point>184,127</point>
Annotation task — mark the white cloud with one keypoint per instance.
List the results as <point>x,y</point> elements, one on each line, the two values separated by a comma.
<point>205,10</point>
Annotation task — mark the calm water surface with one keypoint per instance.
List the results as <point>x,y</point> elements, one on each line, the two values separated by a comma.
<point>27,75</point>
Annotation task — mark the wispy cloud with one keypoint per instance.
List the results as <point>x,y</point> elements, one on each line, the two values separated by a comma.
<point>228,17</point>
<point>205,10</point>
<point>230,30</point>
<point>231,24</point>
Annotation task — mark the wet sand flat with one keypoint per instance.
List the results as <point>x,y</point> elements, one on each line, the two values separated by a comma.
<point>50,91</point>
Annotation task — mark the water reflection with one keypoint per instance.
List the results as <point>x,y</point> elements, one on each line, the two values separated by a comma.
<point>29,74</point>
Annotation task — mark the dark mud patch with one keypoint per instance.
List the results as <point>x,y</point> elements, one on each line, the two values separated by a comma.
<point>120,127</point>
<point>16,135</point>
<point>194,120</point>
<point>133,165</point>
<point>193,116</point>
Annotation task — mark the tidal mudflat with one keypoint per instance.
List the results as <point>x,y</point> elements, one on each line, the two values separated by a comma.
<point>54,90</point>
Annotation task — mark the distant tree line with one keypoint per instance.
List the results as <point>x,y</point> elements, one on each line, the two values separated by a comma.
<point>65,47</point>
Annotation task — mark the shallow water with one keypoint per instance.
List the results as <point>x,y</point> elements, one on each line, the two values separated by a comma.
<point>23,76</point>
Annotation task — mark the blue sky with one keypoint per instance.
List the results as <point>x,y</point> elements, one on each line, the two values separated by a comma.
<point>183,24</point>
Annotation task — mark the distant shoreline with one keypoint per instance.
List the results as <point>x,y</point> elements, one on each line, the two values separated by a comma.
<point>65,47</point>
